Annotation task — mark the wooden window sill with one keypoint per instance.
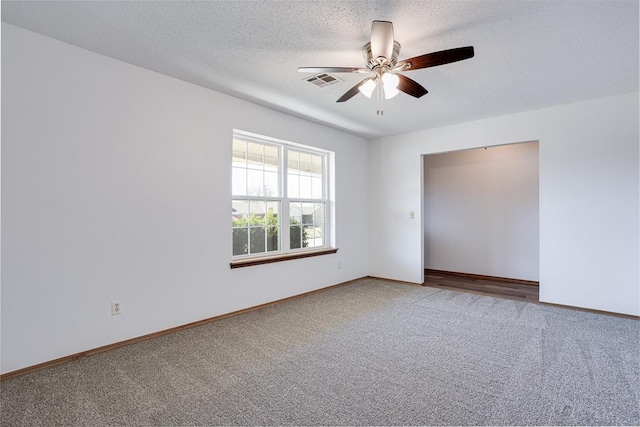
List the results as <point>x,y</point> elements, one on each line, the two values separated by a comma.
<point>281,257</point>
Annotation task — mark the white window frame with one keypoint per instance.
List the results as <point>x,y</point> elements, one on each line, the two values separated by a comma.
<point>284,214</point>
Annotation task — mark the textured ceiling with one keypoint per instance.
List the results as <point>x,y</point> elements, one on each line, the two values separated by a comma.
<point>528,54</point>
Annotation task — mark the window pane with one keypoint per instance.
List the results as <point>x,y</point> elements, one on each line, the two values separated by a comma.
<point>295,237</point>
<point>318,214</point>
<point>305,187</point>
<point>239,182</point>
<point>240,240</point>
<point>316,165</point>
<point>239,152</point>
<point>305,163</point>
<point>257,211</point>
<point>271,184</point>
<point>239,219</point>
<point>318,239</point>
<point>309,232</point>
<point>273,208</point>
<point>313,224</point>
<point>255,184</point>
<point>307,213</point>
<point>295,213</point>
<point>272,223</point>
<point>240,212</point>
<point>316,188</point>
<point>292,161</point>
<point>271,157</point>
<point>273,239</point>
<point>257,240</point>
<point>293,189</point>
<point>255,155</point>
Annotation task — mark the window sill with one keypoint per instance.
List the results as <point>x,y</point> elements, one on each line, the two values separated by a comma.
<point>281,257</point>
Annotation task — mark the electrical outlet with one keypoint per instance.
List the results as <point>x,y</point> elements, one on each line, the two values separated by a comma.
<point>339,264</point>
<point>116,308</point>
<point>412,215</point>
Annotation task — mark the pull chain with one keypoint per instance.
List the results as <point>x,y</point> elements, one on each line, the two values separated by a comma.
<point>380,95</point>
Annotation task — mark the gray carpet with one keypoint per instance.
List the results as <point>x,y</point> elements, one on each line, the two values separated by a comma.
<point>368,353</point>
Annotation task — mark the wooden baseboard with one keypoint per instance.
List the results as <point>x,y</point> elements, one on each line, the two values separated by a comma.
<point>91,352</point>
<point>402,282</point>
<point>590,310</point>
<point>482,277</point>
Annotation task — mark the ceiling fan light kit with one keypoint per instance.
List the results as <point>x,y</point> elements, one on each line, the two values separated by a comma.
<point>367,87</point>
<point>389,84</point>
<point>381,58</point>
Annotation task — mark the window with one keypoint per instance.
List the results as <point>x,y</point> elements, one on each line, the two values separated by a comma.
<point>280,199</point>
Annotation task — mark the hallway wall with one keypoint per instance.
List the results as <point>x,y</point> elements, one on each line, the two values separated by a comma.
<point>481,211</point>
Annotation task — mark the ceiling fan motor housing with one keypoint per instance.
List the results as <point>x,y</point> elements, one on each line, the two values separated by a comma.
<point>376,62</point>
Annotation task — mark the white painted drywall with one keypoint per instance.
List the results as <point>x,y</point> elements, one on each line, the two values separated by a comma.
<point>116,185</point>
<point>589,188</point>
<point>481,211</point>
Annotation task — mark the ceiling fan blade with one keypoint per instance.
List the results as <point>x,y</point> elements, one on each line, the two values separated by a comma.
<point>435,58</point>
<point>382,39</point>
<point>317,70</point>
<point>411,87</point>
<point>352,92</point>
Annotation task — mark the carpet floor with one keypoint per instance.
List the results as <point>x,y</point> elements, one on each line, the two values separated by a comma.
<point>372,352</point>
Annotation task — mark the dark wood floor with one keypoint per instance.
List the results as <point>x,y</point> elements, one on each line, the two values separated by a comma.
<point>517,289</point>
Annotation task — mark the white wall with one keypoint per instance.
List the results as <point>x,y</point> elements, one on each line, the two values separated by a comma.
<point>481,211</point>
<point>589,188</point>
<point>116,185</point>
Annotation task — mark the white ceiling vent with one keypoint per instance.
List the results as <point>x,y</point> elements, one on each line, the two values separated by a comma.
<point>324,79</point>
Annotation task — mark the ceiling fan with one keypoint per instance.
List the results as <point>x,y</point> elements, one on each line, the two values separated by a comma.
<point>381,56</point>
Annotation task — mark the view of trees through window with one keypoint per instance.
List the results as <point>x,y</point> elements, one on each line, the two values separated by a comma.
<point>266,195</point>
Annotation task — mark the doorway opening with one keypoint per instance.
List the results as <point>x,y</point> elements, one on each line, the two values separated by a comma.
<point>481,220</point>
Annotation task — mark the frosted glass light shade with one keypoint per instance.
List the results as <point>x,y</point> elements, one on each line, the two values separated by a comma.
<point>390,82</point>
<point>367,88</point>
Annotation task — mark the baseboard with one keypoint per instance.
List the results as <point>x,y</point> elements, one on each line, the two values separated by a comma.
<point>482,277</point>
<point>91,352</point>
<point>402,282</point>
<point>591,310</point>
